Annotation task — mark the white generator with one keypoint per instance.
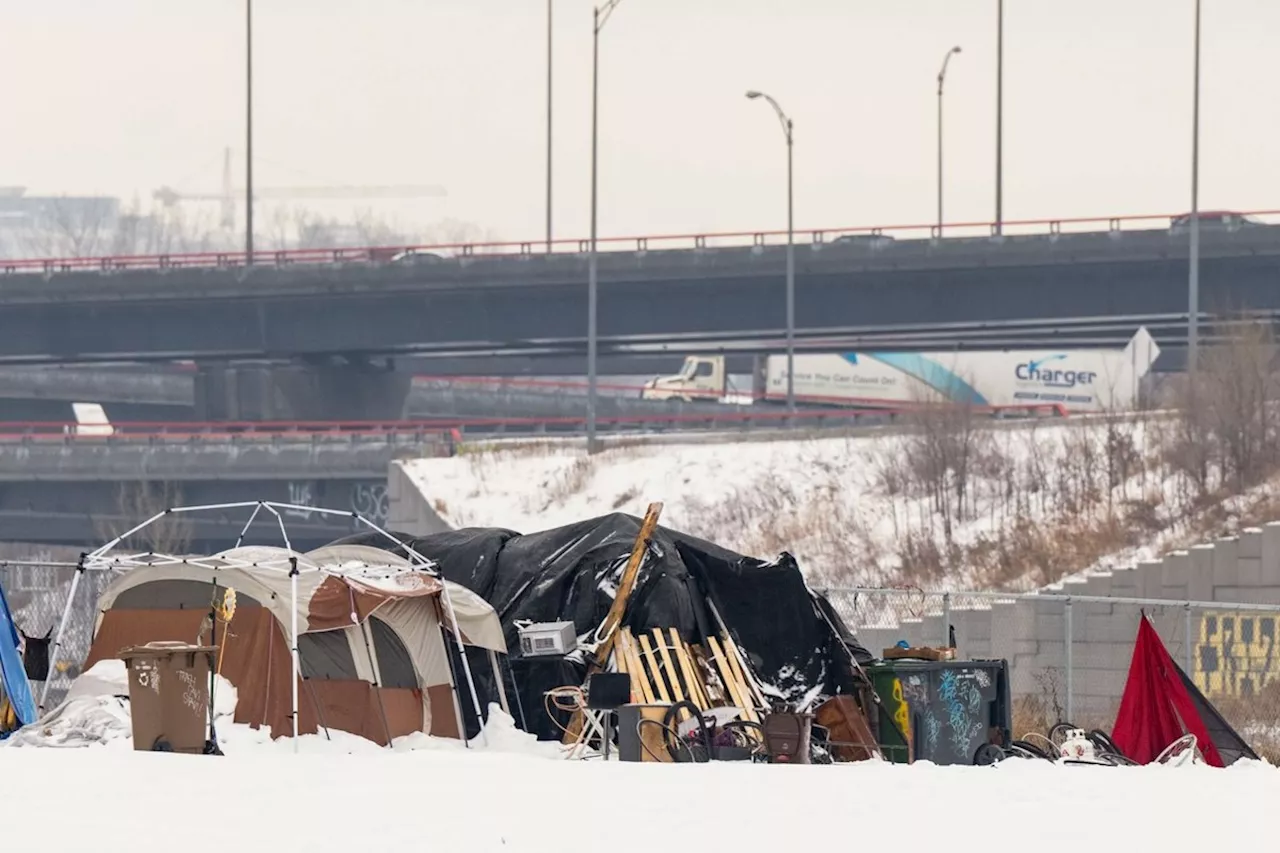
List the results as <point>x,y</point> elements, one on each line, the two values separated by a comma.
<point>539,639</point>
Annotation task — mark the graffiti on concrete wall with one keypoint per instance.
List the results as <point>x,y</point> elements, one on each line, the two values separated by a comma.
<point>371,501</point>
<point>1236,653</point>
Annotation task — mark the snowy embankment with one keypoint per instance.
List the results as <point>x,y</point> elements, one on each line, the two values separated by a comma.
<point>958,506</point>
<point>515,795</point>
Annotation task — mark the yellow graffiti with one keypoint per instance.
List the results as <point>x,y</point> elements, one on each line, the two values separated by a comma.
<point>1236,653</point>
<point>901,713</point>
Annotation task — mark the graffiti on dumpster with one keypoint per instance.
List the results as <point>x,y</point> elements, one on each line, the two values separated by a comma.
<point>1236,653</point>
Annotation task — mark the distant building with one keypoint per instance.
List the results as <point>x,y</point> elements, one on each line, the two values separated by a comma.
<point>54,225</point>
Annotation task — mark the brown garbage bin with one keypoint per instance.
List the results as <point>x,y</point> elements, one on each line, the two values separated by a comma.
<point>786,737</point>
<point>169,696</point>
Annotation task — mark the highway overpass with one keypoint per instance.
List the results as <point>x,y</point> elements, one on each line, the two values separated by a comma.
<point>336,322</point>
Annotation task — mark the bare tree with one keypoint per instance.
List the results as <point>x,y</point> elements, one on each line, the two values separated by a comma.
<point>1227,433</point>
<point>135,503</point>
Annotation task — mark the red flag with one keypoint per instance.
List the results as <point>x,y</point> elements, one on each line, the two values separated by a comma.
<point>1157,708</point>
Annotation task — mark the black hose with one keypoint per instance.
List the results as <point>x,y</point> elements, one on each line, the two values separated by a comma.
<point>670,721</point>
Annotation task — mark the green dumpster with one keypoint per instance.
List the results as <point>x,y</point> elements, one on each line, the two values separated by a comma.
<point>941,711</point>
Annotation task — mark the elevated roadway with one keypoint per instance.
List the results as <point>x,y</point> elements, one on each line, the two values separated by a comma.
<point>331,322</point>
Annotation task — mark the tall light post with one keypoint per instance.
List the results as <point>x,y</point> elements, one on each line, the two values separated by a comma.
<point>248,131</point>
<point>942,78</point>
<point>999,116</point>
<point>1193,283</point>
<point>549,159</point>
<point>600,17</point>
<point>791,251</point>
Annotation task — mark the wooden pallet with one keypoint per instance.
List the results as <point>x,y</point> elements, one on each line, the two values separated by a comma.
<point>665,670</point>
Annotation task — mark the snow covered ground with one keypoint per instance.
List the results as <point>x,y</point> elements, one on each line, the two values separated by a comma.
<point>105,799</point>
<point>516,794</point>
<point>854,510</point>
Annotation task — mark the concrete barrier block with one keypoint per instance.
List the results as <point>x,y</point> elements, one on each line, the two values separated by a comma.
<point>1101,683</point>
<point>1108,629</point>
<point>1099,584</point>
<point>1102,655</point>
<point>1200,585</point>
<point>1251,542</point>
<point>1225,553</point>
<point>1249,595</point>
<point>1249,571</point>
<point>1271,553</point>
<point>1149,577</point>
<point>1177,569</point>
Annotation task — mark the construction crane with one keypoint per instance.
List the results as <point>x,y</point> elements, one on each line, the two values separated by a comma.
<point>228,197</point>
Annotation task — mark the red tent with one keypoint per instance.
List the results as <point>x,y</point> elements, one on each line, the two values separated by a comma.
<point>1161,704</point>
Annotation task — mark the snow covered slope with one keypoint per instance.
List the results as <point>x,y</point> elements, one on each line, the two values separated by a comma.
<point>969,509</point>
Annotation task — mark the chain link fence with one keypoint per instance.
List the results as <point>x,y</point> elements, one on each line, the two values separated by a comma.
<point>1069,655</point>
<point>37,594</point>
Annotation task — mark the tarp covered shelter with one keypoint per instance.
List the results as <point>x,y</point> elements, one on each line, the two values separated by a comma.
<point>372,653</point>
<point>1161,704</point>
<point>571,573</point>
<point>16,701</point>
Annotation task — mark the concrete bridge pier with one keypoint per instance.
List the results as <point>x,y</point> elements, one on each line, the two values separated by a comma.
<point>346,390</point>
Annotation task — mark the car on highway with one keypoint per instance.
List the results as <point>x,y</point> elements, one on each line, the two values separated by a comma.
<point>1216,220</point>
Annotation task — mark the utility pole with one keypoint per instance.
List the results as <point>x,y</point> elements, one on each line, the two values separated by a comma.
<point>788,132</point>
<point>942,78</point>
<point>1193,283</point>
<point>600,17</point>
<point>999,229</point>
<point>549,144</point>
<point>248,157</point>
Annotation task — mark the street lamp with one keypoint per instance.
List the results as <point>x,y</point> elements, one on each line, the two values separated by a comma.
<point>248,132</point>
<point>549,159</point>
<point>942,78</point>
<point>791,256</point>
<point>999,116</point>
<point>1193,283</point>
<point>600,17</point>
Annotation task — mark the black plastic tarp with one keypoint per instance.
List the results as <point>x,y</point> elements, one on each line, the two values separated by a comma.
<point>571,574</point>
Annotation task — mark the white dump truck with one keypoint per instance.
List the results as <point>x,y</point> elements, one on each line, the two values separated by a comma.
<point>1071,380</point>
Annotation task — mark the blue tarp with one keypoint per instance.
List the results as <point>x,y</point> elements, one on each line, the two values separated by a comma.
<point>16,686</point>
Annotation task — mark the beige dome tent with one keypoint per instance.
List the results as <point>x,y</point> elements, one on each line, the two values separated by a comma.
<point>370,629</point>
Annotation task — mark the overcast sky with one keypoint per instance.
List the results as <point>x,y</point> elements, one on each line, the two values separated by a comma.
<point>122,96</point>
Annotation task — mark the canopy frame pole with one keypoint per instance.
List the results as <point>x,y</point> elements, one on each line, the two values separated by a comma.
<point>466,666</point>
<point>294,658</point>
<point>62,627</point>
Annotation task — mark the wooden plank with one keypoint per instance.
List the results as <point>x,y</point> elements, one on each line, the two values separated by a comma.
<point>637,668</point>
<point>660,645</point>
<point>613,619</point>
<point>655,677</point>
<point>608,628</point>
<point>736,691</point>
<point>740,668</point>
<point>693,682</point>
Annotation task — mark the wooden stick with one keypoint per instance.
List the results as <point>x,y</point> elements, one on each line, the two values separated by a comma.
<point>614,617</point>
<point>659,685</point>
<point>697,694</point>
<point>668,667</point>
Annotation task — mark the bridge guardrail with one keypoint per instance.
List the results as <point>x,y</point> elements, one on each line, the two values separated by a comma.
<point>433,430</point>
<point>427,253</point>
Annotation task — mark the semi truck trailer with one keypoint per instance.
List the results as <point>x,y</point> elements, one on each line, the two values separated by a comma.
<point>1071,381</point>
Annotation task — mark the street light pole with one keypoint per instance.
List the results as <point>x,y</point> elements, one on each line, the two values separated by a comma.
<point>999,116</point>
<point>787,129</point>
<point>600,17</point>
<point>248,156</point>
<point>549,159</point>
<point>1193,284</point>
<point>942,78</point>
